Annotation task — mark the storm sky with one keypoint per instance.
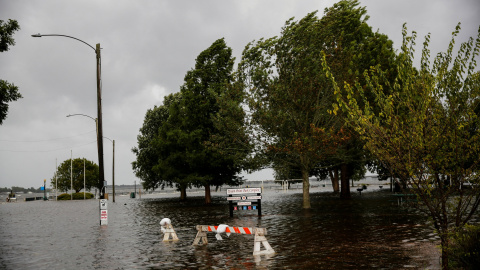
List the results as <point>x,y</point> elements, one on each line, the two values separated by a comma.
<point>147,48</point>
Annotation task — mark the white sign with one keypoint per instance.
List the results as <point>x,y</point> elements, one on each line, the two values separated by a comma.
<point>243,190</point>
<point>233,198</point>
<point>254,197</point>
<point>244,203</point>
<point>104,215</point>
<point>103,204</point>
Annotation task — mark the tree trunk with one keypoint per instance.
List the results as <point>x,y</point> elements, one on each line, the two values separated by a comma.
<point>345,185</point>
<point>334,178</point>
<point>183,193</point>
<point>208,195</point>
<point>444,245</point>
<point>306,190</point>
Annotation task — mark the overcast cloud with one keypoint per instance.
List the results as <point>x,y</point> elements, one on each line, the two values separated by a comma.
<point>147,48</point>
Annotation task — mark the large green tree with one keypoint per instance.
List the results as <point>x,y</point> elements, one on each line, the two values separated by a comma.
<point>426,131</point>
<point>171,145</point>
<point>290,96</point>
<point>147,154</point>
<point>78,171</point>
<point>210,79</point>
<point>196,138</point>
<point>8,91</point>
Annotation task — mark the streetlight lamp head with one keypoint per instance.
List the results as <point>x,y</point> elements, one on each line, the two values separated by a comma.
<point>37,35</point>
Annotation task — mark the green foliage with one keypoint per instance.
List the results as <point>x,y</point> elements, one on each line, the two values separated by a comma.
<point>425,131</point>
<point>76,196</point>
<point>63,175</point>
<point>6,32</point>
<point>148,155</point>
<point>289,95</point>
<point>465,248</point>
<point>8,91</point>
<point>188,140</point>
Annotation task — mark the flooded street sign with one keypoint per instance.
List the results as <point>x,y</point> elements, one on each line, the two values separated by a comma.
<point>250,197</point>
<point>103,212</point>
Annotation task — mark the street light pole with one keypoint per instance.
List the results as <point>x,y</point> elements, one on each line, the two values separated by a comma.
<point>71,175</point>
<point>101,180</point>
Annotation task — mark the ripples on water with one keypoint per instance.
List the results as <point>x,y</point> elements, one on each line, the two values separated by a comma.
<point>367,232</point>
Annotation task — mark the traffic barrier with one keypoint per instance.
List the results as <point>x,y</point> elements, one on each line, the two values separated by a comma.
<point>168,230</point>
<point>258,240</point>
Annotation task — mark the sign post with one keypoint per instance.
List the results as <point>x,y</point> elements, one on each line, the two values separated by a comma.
<point>103,212</point>
<point>245,199</point>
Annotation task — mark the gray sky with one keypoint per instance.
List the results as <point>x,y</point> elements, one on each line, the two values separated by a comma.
<point>147,48</point>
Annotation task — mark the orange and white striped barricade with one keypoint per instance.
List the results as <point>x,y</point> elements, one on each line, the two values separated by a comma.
<point>259,239</point>
<point>168,230</point>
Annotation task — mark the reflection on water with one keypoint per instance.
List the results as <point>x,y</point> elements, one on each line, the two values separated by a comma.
<point>368,232</point>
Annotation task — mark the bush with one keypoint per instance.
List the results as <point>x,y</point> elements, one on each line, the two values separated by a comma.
<point>76,196</point>
<point>465,248</point>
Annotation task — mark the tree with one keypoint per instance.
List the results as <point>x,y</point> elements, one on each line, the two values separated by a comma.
<point>426,130</point>
<point>209,80</point>
<point>159,152</point>
<point>8,91</point>
<point>290,97</point>
<point>146,152</point>
<point>196,138</point>
<point>63,175</point>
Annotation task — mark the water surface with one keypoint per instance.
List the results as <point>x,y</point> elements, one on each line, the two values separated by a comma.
<point>368,232</point>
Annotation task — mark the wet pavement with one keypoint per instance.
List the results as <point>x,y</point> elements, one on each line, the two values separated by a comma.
<point>368,232</point>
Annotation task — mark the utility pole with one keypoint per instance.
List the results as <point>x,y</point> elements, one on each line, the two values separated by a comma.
<point>101,179</point>
<point>113,171</point>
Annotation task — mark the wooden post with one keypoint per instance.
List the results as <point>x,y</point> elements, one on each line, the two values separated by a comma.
<point>261,239</point>
<point>169,231</point>
<point>259,206</point>
<point>230,206</point>
<point>201,236</point>
<point>101,178</point>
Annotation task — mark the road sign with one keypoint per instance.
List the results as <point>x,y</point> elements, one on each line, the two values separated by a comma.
<point>244,203</point>
<point>104,215</point>
<point>250,197</point>
<point>103,212</point>
<point>243,190</point>
<point>103,204</point>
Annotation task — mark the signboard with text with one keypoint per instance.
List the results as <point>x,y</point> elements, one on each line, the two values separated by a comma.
<point>244,199</point>
<point>243,190</point>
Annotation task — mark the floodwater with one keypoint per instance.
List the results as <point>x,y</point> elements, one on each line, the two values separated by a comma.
<point>368,232</point>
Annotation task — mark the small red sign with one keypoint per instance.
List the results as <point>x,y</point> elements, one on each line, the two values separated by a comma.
<point>103,215</point>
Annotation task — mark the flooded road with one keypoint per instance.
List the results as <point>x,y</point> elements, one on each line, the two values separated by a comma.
<point>368,232</point>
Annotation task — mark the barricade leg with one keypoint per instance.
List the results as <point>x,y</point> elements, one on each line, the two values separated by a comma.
<point>259,240</point>
<point>170,232</point>
<point>201,236</point>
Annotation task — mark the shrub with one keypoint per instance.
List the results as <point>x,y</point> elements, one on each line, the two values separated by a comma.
<point>76,196</point>
<point>465,248</point>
